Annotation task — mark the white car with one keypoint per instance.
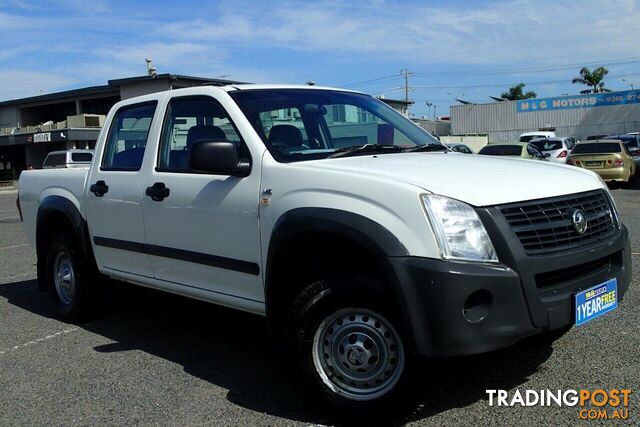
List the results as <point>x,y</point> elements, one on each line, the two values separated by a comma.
<point>74,158</point>
<point>359,237</point>
<point>555,149</point>
<point>528,136</point>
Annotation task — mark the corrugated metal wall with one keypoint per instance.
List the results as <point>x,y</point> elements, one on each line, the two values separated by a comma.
<point>502,122</point>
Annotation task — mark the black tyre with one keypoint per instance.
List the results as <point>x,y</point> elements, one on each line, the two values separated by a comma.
<point>351,348</point>
<point>71,281</point>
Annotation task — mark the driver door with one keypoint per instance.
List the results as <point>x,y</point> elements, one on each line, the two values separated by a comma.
<point>203,236</point>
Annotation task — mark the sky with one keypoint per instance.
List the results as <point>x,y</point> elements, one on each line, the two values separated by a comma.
<point>467,49</point>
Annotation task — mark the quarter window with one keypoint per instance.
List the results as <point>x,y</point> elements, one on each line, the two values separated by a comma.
<point>127,137</point>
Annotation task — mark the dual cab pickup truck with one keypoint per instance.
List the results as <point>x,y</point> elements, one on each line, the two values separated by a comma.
<point>360,238</point>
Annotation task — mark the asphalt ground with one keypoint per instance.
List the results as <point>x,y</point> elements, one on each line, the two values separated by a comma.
<point>154,358</point>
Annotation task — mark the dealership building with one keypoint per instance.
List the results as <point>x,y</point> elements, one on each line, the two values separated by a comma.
<point>577,115</point>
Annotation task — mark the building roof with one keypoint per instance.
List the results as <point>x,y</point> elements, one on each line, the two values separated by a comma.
<point>113,86</point>
<point>173,78</point>
<point>395,101</point>
<point>91,90</point>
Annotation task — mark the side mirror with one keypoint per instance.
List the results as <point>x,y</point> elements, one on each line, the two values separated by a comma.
<point>219,157</point>
<point>546,155</point>
<point>635,153</point>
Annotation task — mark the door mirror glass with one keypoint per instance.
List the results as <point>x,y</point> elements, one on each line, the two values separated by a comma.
<point>218,157</point>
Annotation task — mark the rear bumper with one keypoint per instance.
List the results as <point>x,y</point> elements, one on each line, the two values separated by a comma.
<point>456,308</point>
<point>613,174</point>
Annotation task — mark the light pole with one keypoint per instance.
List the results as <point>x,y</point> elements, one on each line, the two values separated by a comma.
<point>429,104</point>
<point>628,82</point>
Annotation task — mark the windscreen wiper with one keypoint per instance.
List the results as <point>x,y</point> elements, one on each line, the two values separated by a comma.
<point>426,147</point>
<point>356,150</point>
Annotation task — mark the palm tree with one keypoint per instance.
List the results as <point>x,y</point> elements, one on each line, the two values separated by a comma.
<point>592,78</point>
<point>516,92</point>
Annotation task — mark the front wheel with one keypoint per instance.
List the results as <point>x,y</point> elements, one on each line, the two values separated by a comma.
<point>351,348</point>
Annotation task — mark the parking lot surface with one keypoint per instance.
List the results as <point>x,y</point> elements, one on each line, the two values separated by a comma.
<point>154,358</point>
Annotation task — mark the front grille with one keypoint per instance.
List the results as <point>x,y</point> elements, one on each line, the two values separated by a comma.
<point>575,272</point>
<point>546,226</point>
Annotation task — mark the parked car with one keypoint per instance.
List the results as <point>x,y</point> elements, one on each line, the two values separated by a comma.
<point>609,158</point>
<point>362,247</point>
<point>528,136</point>
<point>460,148</point>
<point>68,159</point>
<point>595,137</point>
<point>513,149</point>
<point>556,149</point>
<point>632,141</point>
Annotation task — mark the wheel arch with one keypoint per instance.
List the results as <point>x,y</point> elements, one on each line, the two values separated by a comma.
<point>300,228</point>
<point>57,214</point>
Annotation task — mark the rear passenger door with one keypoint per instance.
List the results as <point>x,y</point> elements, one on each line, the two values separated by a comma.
<point>115,190</point>
<point>203,237</point>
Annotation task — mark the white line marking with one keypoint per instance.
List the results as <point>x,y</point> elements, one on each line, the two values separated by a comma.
<point>14,246</point>
<point>36,341</point>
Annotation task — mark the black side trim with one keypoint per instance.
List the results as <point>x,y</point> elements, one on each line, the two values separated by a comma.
<point>180,254</point>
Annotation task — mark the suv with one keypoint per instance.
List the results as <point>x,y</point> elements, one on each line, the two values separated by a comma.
<point>361,239</point>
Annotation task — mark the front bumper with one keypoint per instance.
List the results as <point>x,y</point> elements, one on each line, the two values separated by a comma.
<point>458,308</point>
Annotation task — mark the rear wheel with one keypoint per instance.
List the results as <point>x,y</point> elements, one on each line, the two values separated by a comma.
<point>71,282</point>
<point>351,348</point>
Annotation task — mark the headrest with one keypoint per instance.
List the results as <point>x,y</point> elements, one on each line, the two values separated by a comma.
<point>287,135</point>
<point>204,132</point>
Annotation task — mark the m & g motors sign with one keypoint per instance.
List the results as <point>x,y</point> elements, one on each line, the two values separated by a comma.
<point>578,101</point>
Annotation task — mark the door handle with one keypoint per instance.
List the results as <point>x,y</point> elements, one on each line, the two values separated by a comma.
<point>157,192</point>
<point>99,188</point>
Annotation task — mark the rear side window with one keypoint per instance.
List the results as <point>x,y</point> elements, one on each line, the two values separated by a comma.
<point>597,148</point>
<point>81,157</point>
<point>127,137</point>
<point>54,160</point>
<point>502,150</point>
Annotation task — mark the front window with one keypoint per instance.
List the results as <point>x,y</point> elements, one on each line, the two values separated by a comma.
<point>299,124</point>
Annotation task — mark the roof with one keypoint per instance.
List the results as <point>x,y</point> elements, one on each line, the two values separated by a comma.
<point>114,85</point>
<point>91,90</point>
<point>171,77</point>
<point>247,86</point>
<point>396,101</point>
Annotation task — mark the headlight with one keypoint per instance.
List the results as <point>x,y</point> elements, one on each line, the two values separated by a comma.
<point>459,231</point>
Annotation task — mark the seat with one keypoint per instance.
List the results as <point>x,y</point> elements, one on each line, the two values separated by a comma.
<point>180,159</point>
<point>128,159</point>
<point>285,136</point>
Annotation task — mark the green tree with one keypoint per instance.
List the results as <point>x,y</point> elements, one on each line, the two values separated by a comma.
<point>517,92</point>
<point>593,79</point>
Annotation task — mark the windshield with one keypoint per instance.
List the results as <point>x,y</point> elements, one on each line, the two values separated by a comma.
<point>301,124</point>
<point>597,148</point>
<point>547,145</point>
<point>501,150</point>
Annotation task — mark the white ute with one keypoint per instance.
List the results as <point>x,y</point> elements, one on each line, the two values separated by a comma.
<point>359,237</point>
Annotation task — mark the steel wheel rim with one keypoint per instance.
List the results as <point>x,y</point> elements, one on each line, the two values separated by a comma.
<point>64,278</point>
<point>358,354</point>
